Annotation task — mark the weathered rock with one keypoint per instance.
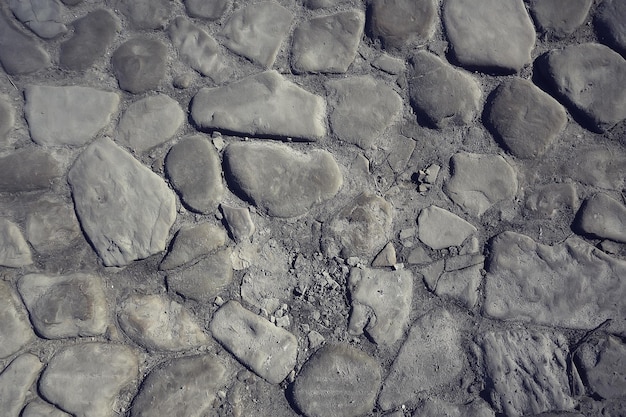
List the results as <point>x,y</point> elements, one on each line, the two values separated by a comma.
<point>257,30</point>
<point>400,22</point>
<point>480,181</point>
<point>239,222</point>
<point>85,379</point>
<point>146,14</point>
<point>20,54</point>
<point>361,228</point>
<point>389,64</point>
<point>158,323</point>
<point>597,166</point>
<point>65,306</point>
<point>192,242</point>
<point>15,330</point>
<point>264,104</point>
<point>193,167</point>
<point>184,387</point>
<point>603,217</point>
<point>125,209</point>
<point>7,117</point>
<point>267,350</point>
<point>386,257</point>
<point>524,118</point>
<point>71,115</point>
<point>213,9</point>
<point>489,35</point>
<point>439,229</point>
<point>592,79</point>
<point>362,109</point>
<point>436,408</point>
<point>458,277</point>
<point>93,34</point>
<point>51,225</point>
<point>428,76</point>
<point>571,284</point>
<point>611,17</point>
<point>548,199</point>
<point>40,408</point>
<point>526,371</point>
<point>381,303</point>
<point>337,381</point>
<point>15,381</point>
<point>430,357</point>
<point>279,180</point>
<point>41,16</point>
<point>602,364</point>
<point>14,251</point>
<point>149,122</point>
<point>17,173</point>
<point>327,43</point>
<point>559,18</point>
<point>139,64</point>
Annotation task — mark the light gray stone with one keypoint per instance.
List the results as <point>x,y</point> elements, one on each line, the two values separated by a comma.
<point>65,306</point>
<point>40,408</point>
<point>428,76</point>
<point>14,251</point>
<point>524,118</point>
<point>125,209</point>
<point>611,17</point>
<point>192,242</point>
<point>207,9</point>
<point>480,181</point>
<point>15,330</point>
<point>549,199</point>
<point>184,387</point>
<point>267,350</point>
<point>386,257</point>
<point>85,379</point>
<point>17,173</point>
<point>279,180</point>
<point>439,229</point>
<point>15,381</point>
<point>592,79</point>
<point>239,222</point>
<point>603,217</point>
<point>430,357</point>
<point>597,166</point>
<point>327,43</point>
<point>7,117</point>
<point>526,371</point>
<point>70,115</point>
<point>602,362</point>
<point>400,22</point>
<point>257,31</point>
<point>381,303</point>
<point>158,323</point>
<point>41,16</point>
<point>264,104</point>
<point>389,64</point>
<point>194,169</point>
<point>139,64</point>
<point>337,381</point>
<point>363,108</point>
<point>438,408</point>
<point>490,35</point>
<point>458,277</point>
<point>51,225</point>
<point>146,14</point>
<point>20,54</point>
<point>571,284</point>
<point>149,122</point>
<point>559,18</point>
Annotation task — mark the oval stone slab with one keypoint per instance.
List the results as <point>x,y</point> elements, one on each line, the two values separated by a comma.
<point>399,22</point>
<point>279,180</point>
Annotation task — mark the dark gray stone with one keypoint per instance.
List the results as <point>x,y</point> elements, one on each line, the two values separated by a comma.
<point>7,117</point>
<point>17,171</point>
<point>19,54</point>
<point>611,17</point>
<point>41,16</point>
<point>603,217</point>
<point>15,330</point>
<point>39,408</point>
<point>139,64</point>
<point>146,14</point>
<point>400,22</point>
<point>559,18</point>
<point>207,9</point>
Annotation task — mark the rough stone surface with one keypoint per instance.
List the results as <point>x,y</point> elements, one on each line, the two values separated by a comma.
<point>281,181</point>
<point>149,122</point>
<point>381,303</point>
<point>386,257</point>
<point>525,119</point>
<point>124,208</point>
<point>15,381</point>
<point>599,167</point>
<point>65,306</point>
<point>15,330</point>
<point>14,251</point>
<point>400,22</point>
<point>592,79</point>
<point>257,31</point>
<point>428,76</point>
<point>547,200</point>
<point>602,362</point>
<point>139,64</point>
<point>193,167</point>
<point>20,54</point>
<point>337,381</point>
<point>212,10</point>
<point>85,379</point>
<point>40,408</point>
<point>239,222</point>
<point>489,35</point>
<point>571,284</point>
<point>604,217</point>
<point>559,18</point>
<point>51,224</point>
<point>267,350</point>
<point>611,17</point>
<point>327,43</point>
<point>183,387</point>
<point>146,14</point>
<point>16,173</point>
<point>264,104</point>
<point>7,117</point>
<point>439,229</point>
<point>93,34</point>
<point>70,115</point>
<point>438,408</point>
<point>527,372</point>
<point>158,323</point>
<point>430,357</point>
<point>458,277</point>
<point>41,16</point>
<point>480,181</point>
<point>192,242</point>
<point>362,109</point>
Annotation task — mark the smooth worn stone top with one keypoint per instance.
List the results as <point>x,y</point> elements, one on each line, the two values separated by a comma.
<point>490,35</point>
<point>14,251</point>
<point>15,381</point>
<point>212,10</point>
<point>146,14</point>
<point>70,115</point>
<point>559,18</point>
<point>264,104</point>
<point>17,173</point>
<point>19,54</point>
<point>611,16</point>
<point>15,330</point>
<point>602,364</point>
<point>604,217</point>
<point>399,22</point>
<point>139,64</point>
<point>281,181</point>
<point>125,209</point>
<point>41,16</point>
<point>439,229</point>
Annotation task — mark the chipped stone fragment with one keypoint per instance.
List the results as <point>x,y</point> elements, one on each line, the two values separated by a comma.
<point>14,251</point>
<point>603,217</point>
<point>439,229</point>
<point>41,16</point>
<point>139,64</point>
<point>386,257</point>
<point>15,381</point>
<point>15,330</point>
<point>192,242</point>
<point>239,222</point>
<point>399,22</point>
<point>559,18</point>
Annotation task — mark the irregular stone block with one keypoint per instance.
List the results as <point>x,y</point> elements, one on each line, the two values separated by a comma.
<point>139,64</point>
<point>41,16</point>
<point>15,330</point>
<point>559,18</point>
<point>460,282</point>
<point>386,257</point>
<point>146,14</point>
<point>603,217</point>
<point>239,222</point>
<point>14,251</point>
<point>212,10</point>
<point>20,54</point>
<point>548,199</point>
<point>400,22</point>
<point>611,18</point>
<point>51,225</point>
<point>440,229</point>
<point>15,381</point>
<point>602,362</point>
<point>267,350</point>
<point>192,242</point>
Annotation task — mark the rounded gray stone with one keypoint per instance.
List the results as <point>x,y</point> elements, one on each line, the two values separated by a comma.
<point>559,18</point>
<point>146,14</point>
<point>611,18</point>
<point>400,22</point>
<point>139,64</point>
<point>43,17</point>
<point>603,217</point>
<point>207,9</point>
<point>602,364</point>
<point>19,53</point>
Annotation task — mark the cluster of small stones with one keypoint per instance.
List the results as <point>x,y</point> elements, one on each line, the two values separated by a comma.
<point>331,208</point>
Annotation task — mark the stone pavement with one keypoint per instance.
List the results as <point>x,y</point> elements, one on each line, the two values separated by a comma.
<point>328,208</point>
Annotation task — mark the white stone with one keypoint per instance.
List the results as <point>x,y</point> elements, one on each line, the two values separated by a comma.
<point>440,229</point>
